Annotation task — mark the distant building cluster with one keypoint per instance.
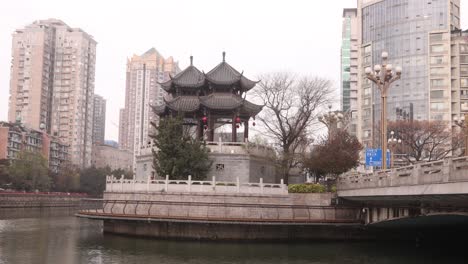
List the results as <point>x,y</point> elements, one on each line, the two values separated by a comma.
<point>425,39</point>
<point>15,137</point>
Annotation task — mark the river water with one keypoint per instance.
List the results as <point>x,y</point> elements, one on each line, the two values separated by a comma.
<point>56,236</point>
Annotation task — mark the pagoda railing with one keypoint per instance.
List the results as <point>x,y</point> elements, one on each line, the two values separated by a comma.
<point>240,148</point>
<point>114,184</point>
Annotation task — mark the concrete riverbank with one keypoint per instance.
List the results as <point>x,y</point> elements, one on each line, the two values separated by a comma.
<point>39,200</point>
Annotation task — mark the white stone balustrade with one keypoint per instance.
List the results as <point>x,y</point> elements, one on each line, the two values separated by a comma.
<point>114,184</point>
<point>449,170</point>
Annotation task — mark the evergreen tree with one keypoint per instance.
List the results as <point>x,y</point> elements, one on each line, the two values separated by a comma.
<point>178,154</point>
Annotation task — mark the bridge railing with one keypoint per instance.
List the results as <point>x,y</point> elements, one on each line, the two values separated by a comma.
<point>447,170</point>
<point>189,186</point>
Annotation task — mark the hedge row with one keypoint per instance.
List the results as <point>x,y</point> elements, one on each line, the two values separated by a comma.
<point>307,188</point>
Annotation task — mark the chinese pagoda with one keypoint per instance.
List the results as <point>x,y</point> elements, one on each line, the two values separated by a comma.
<point>209,100</point>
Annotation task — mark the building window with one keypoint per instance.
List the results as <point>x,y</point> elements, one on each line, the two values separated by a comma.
<point>464,82</point>
<point>437,94</point>
<point>437,48</point>
<point>437,82</point>
<point>438,60</point>
<point>219,167</point>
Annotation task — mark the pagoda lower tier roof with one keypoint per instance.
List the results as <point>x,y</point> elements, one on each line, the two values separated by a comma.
<point>215,101</point>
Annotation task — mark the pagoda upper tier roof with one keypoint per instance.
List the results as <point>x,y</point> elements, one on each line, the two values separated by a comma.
<point>214,101</point>
<point>223,74</point>
<point>191,77</point>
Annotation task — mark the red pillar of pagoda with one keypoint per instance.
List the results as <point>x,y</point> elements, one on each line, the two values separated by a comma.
<point>234,128</point>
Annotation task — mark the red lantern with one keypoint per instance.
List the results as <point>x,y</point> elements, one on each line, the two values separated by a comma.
<point>204,119</point>
<point>205,127</point>
<point>238,120</point>
<point>253,124</point>
<point>237,126</point>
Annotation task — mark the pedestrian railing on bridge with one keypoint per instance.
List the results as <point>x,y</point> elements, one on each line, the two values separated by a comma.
<point>448,170</point>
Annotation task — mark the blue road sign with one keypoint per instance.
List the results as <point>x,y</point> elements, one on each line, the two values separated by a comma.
<point>374,157</point>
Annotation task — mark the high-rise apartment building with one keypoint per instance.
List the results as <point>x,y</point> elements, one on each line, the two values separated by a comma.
<point>99,120</point>
<point>52,83</point>
<point>144,73</point>
<point>349,68</point>
<point>416,35</point>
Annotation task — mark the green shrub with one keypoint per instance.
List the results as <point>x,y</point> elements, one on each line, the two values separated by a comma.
<point>333,189</point>
<point>306,188</point>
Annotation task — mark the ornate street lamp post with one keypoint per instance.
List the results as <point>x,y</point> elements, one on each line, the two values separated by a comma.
<point>383,75</point>
<point>331,120</point>
<point>463,124</point>
<point>392,143</point>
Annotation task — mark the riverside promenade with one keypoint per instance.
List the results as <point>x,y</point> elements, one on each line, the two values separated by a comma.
<point>221,211</point>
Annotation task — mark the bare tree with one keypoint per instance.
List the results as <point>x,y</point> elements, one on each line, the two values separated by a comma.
<point>292,104</point>
<point>424,140</point>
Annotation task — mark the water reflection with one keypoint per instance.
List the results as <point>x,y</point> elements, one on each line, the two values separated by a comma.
<point>66,239</point>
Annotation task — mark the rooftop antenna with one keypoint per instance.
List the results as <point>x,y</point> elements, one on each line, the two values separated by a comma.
<point>224,56</point>
<point>191,60</point>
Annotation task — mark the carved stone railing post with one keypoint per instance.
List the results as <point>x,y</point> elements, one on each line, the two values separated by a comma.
<point>238,184</point>
<point>148,182</point>
<point>189,183</point>
<point>261,185</point>
<point>166,184</point>
<point>213,183</point>
<point>447,170</point>
<point>121,183</point>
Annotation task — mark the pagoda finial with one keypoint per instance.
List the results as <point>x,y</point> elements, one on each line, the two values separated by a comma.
<point>224,56</point>
<point>191,60</point>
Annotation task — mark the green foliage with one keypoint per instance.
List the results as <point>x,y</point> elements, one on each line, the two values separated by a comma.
<point>306,188</point>
<point>67,179</point>
<point>93,180</point>
<point>4,176</point>
<point>29,172</point>
<point>119,172</point>
<point>178,155</point>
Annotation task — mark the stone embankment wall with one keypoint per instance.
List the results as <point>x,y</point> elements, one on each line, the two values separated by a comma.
<point>30,200</point>
<point>227,216</point>
<point>292,207</point>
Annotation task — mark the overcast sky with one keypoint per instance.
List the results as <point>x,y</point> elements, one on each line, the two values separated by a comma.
<point>258,36</point>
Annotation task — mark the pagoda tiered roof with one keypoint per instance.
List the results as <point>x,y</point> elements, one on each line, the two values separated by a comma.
<point>220,89</point>
<point>223,74</point>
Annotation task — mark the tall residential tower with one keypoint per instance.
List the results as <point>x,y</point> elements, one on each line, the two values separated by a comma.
<point>99,120</point>
<point>144,73</point>
<point>52,83</point>
<point>349,68</point>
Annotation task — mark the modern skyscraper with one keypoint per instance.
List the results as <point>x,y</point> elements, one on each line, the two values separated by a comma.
<point>99,120</point>
<point>52,83</point>
<point>144,73</point>
<point>349,68</point>
<point>416,35</point>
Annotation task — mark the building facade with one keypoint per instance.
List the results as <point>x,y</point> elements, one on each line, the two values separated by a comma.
<point>99,119</point>
<point>144,73</point>
<point>349,69</point>
<point>416,35</point>
<point>112,157</point>
<point>52,83</point>
<point>459,74</point>
<point>15,137</point>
